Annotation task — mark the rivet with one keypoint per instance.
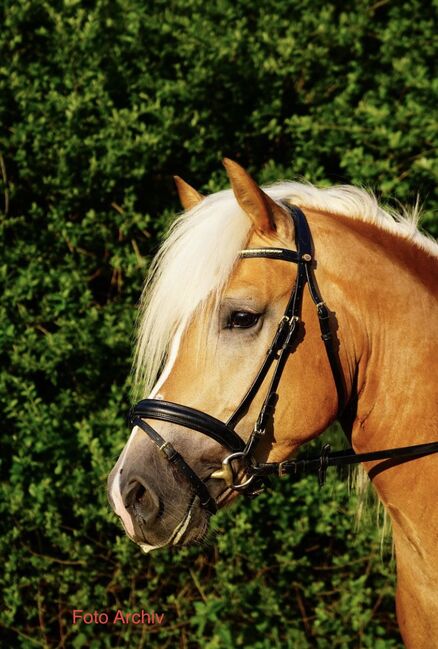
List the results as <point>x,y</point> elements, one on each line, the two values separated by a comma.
<point>306,257</point>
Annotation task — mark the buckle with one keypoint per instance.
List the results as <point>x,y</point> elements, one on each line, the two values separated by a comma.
<point>322,310</point>
<point>280,334</point>
<point>168,450</point>
<point>323,463</point>
<point>290,338</point>
<point>282,471</point>
<point>286,467</point>
<point>284,333</point>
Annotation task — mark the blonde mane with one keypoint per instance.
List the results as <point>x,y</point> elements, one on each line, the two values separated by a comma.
<point>197,258</point>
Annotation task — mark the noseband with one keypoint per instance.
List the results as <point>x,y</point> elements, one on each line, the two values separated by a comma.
<point>241,455</point>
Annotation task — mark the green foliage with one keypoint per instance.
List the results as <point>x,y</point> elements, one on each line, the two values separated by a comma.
<point>100,103</point>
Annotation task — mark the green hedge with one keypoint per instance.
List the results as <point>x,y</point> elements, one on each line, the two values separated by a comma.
<point>100,103</point>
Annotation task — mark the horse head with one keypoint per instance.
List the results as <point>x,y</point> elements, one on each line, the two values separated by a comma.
<point>211,315</point>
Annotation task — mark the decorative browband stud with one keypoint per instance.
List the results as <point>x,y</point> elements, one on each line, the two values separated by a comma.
<point>306,257</point>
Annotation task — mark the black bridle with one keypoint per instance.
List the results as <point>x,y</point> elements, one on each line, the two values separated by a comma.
<point>284,341</point>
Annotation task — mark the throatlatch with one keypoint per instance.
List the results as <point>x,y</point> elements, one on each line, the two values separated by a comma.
<point>241,455</point>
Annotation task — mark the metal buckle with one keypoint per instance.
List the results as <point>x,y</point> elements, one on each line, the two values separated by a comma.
<point>323,464</point>
<point>287,467</point>
<point>282,468</point>
<point>168,450</point>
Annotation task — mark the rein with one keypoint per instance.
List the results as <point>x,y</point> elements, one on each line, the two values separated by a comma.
<point>283,344</point>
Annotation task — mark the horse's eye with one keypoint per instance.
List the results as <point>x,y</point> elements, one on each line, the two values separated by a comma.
<point>243,319</point>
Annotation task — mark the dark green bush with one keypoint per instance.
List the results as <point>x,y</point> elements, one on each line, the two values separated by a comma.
<point>100,103</point>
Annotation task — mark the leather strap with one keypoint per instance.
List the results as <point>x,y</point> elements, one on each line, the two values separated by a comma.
<point>288,329</point>
<point>323,313</point>
<point>175,458</point>
<point>190,418</point>
<point>340,458</point>
<point>283,254</point>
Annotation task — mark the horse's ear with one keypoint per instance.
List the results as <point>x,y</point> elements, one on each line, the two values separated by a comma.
<point>188,196</point>
<point>266,215</point>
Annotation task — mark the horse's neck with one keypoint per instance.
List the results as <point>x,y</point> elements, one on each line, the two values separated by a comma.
<point>382,289</point>
<point>383,292</point>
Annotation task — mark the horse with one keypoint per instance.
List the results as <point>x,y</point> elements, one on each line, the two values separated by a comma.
<point>229,334</point>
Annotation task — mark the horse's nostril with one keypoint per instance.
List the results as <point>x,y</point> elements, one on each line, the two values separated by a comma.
<point>141,501</point>
<point>140,493</point>
<point>144,501</point>
<point>134,493</point>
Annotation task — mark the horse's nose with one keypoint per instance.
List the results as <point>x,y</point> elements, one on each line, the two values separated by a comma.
<point>140,500</point>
